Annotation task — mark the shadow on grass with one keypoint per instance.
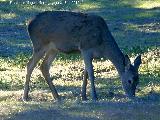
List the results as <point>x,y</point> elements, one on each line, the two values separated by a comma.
<point>48,114</point>
<point>133,110</point>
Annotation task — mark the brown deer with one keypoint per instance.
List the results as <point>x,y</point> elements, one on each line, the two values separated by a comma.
<point>61,31</point>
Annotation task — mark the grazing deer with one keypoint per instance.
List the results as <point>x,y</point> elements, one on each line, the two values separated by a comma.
<point>62,31</point>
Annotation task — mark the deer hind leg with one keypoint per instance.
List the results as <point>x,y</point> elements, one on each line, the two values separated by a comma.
<point>30,67</point>
<point>84,85</point>
<point>89,67</point>
<point>45,71</point>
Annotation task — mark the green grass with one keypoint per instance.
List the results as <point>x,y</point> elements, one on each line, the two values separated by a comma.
<point>68,83</point>
<point>134,25</point>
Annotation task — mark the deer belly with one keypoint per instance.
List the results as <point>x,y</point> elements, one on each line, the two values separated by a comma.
<point>97,54</point>
<point>68,48</point>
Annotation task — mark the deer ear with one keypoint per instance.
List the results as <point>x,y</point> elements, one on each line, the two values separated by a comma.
<point>127,62</point>
<point>137,62</point>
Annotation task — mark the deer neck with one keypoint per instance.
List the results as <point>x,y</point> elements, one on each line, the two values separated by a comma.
<point>118,60</point>
<point>114,54</point>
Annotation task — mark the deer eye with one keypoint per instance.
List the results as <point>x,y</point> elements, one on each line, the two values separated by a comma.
<point>129,81</point>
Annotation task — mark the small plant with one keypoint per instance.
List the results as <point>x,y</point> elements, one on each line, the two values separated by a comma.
<point>4,84</point>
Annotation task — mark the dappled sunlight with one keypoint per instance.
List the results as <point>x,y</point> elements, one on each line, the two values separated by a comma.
<point>88,6</point>
<point>8,15</point>
<point>10,107</point>
<point>148,4</point>
<point>150,89</point>
<point>144,4</point>
<point>150,62</point>
<point>4,0</point>
<point>70,74</point>
<point>11,95</point>
<point>148,27</point>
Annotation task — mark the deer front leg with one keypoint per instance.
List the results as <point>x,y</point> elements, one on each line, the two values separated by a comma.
<point>84,85</point>
<point>89,67</point>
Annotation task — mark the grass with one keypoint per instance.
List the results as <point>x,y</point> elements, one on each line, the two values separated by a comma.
<point>68,84</point>
<point>135,26</point>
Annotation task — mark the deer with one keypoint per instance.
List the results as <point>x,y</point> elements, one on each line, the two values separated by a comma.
<point>52,32</point>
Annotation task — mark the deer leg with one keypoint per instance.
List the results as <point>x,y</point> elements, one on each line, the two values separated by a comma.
<point>89,67</point>
<point>45,71</point>
<point>84,85</point>
<point>30,67</point>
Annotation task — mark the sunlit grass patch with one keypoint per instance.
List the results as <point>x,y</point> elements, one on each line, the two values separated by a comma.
<point>89,5</point>
<point>69,73</point>
<point>149,28</point>
<point>8,15</point>
<point>149,90</point>
<point>40,6</point>
<point>144,4</point>
<point>11,107</point>
<point>143,15</point>
<point>3,0</point>
<point>148,4</point>
<point>151,61</point>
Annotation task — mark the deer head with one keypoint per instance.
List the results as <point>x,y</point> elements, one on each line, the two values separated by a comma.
<point>130,77</point>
